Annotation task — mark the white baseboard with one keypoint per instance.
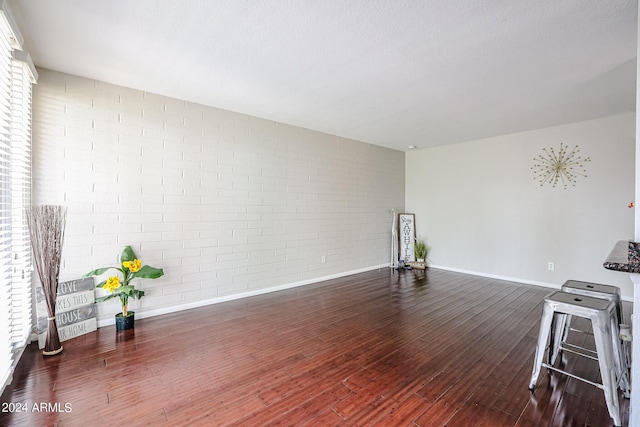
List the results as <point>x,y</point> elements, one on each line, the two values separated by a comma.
<point>507,278</point>
<point>141,314</point>
<point>497,276</point>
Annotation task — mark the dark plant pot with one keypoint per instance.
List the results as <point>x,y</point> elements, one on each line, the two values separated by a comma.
<point>124,322</point>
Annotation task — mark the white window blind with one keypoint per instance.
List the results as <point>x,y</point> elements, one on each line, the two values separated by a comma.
<point>17,75</point>
<point>6,344</point>
<point>20,200</point>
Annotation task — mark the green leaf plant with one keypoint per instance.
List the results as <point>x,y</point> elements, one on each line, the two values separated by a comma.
<point>130,268</point>
<point>420,249</point>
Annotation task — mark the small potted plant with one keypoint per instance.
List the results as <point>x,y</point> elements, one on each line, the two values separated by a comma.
<point>421,250</point>
<point>120,285</point>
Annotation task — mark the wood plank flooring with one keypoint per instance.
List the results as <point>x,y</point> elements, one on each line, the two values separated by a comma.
<point>381,348</point>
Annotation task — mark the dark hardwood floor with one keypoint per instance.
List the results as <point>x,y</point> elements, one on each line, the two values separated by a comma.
<point>380,348</point>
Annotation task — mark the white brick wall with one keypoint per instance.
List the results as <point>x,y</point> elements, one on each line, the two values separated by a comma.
<point>226,203</point>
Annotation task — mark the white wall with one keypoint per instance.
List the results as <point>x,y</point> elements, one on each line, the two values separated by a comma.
<point>480,210</point>
<point>226,203</point>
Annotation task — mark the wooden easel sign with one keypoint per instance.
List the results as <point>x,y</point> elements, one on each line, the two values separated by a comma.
<point>407,236</point>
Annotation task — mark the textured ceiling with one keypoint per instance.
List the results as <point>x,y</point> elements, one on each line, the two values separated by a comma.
<point>392,73</point>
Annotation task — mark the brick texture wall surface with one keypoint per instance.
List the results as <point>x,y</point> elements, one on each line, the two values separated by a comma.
<point>226,203</point>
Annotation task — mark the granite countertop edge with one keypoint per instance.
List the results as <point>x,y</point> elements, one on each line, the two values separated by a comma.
<point>624,257</point>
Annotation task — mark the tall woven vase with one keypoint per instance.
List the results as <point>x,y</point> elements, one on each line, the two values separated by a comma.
<point>46,228</point>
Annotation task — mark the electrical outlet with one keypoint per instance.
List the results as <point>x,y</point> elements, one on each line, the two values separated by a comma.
<point>323,259</point>
<point>552,266</point>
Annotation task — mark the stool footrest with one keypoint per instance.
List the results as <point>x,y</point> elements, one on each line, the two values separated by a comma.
<point>570,348</point>
<point>580,331</point>
<point>553,368</point>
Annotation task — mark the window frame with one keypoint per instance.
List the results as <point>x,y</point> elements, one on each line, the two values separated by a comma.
<point>17,75</point>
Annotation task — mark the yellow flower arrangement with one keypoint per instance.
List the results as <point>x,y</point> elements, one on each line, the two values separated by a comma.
<point>131,268</point>
<point>112,284</point>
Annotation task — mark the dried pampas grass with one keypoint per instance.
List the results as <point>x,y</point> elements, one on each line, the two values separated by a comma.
<point>46,227</point>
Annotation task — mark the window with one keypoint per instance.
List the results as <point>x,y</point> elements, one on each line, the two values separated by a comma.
<point>17,75</point>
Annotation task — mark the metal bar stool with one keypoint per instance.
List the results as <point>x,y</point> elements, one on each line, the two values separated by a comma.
<point>603,317</point>
<point>609,292</point>
<point>596,290</point>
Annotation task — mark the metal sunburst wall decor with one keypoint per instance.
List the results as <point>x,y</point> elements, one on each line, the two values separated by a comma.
<point>562,167</point>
